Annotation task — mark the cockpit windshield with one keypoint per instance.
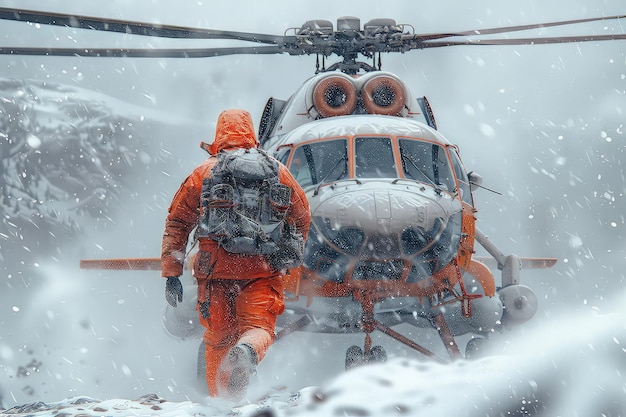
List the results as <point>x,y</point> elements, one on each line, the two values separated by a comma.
<point>426,162</point>
<point>374,158</point>
<point>327,161</point>
<point>320,162</point>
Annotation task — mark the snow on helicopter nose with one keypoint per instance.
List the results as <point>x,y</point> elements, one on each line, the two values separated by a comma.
<point>382,207</point>
<point>382,219</point>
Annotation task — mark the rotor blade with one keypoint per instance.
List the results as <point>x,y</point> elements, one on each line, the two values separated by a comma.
<point>141,53</point>
<point>532,263</point>
<point>526,263</point>
<point>122,264</point>
<point>525,41</point>
<point>131,27</point>
<point>506,29</point>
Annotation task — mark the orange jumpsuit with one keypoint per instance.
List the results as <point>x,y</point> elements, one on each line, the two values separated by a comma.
<point>245,293</point>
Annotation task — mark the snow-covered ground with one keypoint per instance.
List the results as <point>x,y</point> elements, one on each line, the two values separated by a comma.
<point>572,365</point>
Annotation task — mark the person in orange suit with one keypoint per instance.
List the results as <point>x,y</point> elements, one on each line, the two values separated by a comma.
<point>239,295</point>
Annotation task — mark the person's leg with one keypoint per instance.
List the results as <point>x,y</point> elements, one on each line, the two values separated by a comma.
<point>259,302</point>
<point>257,307</point>
<point>221,328</point>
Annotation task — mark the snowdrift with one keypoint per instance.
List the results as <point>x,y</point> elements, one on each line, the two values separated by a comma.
<point>573,365</point>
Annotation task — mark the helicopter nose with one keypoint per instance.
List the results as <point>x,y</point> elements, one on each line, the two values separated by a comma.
<point>384,208</point>
<point>379,227</point>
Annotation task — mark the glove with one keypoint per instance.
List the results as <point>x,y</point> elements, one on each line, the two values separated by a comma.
<point>173,291</point>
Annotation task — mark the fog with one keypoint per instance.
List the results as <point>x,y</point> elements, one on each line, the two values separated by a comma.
<point>542,124</point>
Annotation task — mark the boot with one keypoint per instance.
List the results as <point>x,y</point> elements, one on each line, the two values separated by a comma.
<point>242,361</point>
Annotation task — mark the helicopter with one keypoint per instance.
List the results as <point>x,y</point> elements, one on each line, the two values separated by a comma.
<point>393,231</point>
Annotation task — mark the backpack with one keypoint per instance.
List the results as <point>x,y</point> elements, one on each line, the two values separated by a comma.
<point>244,207</point>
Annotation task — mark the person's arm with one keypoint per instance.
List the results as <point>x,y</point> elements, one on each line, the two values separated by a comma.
<point>182,217</point>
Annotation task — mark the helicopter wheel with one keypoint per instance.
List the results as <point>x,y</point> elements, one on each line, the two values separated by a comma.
<point>475,348</point>
<point>354,357</point>
<point>377,354</point>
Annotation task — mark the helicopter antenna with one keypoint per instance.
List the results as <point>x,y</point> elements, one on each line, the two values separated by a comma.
<point>485,188</point>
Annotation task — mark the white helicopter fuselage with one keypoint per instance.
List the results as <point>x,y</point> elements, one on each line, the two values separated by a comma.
<point>386,194</point>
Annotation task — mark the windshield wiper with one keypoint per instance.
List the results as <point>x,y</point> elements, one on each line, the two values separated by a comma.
<point>343,172</point>
<point>407,158</point>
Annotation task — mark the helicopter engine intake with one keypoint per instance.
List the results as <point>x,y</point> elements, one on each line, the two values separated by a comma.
<point>372,93</point>
<point>334,96</point>
<point>383,95</point>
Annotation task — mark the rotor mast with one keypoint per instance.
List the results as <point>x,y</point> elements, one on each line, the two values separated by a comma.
<point>348,41</point>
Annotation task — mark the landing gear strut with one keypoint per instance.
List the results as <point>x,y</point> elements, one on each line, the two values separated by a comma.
<point>357,356</point>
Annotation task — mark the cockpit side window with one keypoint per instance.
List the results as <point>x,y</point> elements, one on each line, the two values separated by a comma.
<point>374,158</point>
<point>320,162</point>
<point>461,176</point>
<point>283,155</point>
<point>426,162</point>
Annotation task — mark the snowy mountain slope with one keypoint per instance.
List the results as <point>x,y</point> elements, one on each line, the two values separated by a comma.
<point>574,365</point>
<point>68,157</point>
<point>74,163</point>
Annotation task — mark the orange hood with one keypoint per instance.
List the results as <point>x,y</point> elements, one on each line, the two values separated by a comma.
<point>234,130</point>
